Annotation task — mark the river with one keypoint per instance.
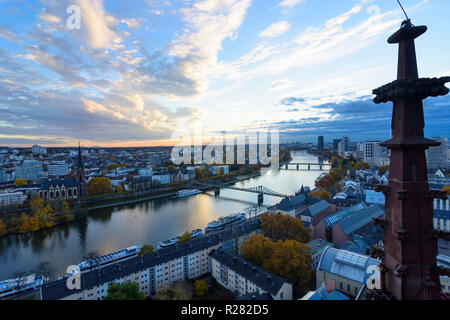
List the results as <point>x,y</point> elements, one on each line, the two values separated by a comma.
<point>111,229</point>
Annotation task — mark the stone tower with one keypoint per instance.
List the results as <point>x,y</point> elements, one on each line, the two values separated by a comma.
<point>409,269</point>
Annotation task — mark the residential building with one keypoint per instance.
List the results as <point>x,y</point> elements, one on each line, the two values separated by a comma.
<point>58,169</point>
<point>161,178</point>
<point>3,176</point>
<point>312,216</point>
<point>437,156</point>
<point>30,170</point>
<point>294,205</point>
<point>38,150</point>
<point>442,205</point>
<point>242,277</point>
<point>151,272</point>
<point>11,198</point>
<point>344,271</point>
<point>345,228</point>
<point>317,247</point>
<point>441,220</point>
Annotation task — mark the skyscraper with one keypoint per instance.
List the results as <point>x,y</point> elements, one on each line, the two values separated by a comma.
<point>320,143</point>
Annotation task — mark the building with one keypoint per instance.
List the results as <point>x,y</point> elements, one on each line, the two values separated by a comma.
<point>372,151</point>
<point>346,144</point>
<point>30,170</point>
<point>294,205</point>
<point>9,199</point>
<point>437,156</point>
<point>345,228</point>
<point>336,144</point>
<point>320,143</point>
<point>441,204</point>
<point>59,189</point>
<point>317,247</point>
<point>344,271</point>
<point>324,293</point>
<point>373,197</point>
<point>153,271</point>
<point>3,176</point>
<point>326,225</point>
<point>242,277</point>
<point>312,216</point>
<point>161,178</point>
<point>58,169</point>
<point>441,220</point>
<point>38,150</point>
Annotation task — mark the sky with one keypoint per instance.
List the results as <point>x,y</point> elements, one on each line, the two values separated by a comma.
<point>148,72</point>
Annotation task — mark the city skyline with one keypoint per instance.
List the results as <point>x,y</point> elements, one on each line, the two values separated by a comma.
<point>134,73</point>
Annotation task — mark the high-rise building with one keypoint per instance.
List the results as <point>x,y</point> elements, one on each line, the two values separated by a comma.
<point>58,169</point>
<point>320,143</point>
<point>372,151</point>
<point>437,156</point>
<point>336,144</point>
<point>30,170</point>
<point>346,141</point>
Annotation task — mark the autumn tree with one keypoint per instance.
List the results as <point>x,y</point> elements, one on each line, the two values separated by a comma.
<point>99,186</point>
<point>362,166</point>
<point>124,291</point>
<point>119,189</point>
<point>283,227</point>
<point>383,169</point>
<point>2,228</point>
<point>177,291</point>
<point>20,182</point>
<point>186,237</point>
<point>320,194</point>
<point>288,259</point>
<point>447,189</point>
<point>146,249</point>
<point>200,288</point>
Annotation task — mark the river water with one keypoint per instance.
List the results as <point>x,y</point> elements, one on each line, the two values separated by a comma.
<point>149,222</point>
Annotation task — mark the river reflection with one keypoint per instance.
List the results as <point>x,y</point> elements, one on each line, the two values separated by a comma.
<point>112,229</point>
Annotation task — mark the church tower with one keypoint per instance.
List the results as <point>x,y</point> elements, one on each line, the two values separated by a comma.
<point>409,266</point>
<point>81,180</point>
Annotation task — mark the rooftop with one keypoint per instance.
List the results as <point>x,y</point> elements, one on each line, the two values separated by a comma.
<point>262,278</point>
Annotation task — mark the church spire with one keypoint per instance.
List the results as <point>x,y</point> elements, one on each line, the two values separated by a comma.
<point>80,160</point>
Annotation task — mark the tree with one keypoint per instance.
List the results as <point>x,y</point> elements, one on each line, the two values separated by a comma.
<point>178,291</point>
<point>99,186</point>
<point>124,291</point>
<point>119,189</point>
<point>186,237</point>
<point>2,228</point>
<point>288,259</point>
<point>146,249</point>
<point>383,169</point>
<point>20,182</point>
<point>447,188</point>
<point>362,166</point>
<point>321,194</point>
<point>200,288</point>
<point>283,227</point>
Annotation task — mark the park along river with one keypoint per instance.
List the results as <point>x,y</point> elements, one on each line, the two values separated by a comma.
<point>112,229</point>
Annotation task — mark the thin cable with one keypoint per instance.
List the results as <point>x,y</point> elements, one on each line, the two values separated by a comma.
<point>399,3</point>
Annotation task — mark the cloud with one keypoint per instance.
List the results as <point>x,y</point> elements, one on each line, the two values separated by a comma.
<point>209,22</point>
<point>276,29</point>
<point>290,3</point>
<point>290,101</point>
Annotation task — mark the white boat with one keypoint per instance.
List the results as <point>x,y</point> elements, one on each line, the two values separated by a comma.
<point>223,222</point>
<point>196,233</point>
<point>187,193</point>
<point>168,243</point>
<point>11,287</point>
<point>110,258</point>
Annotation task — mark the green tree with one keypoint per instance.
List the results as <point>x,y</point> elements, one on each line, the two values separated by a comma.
<point>200,288</point>
<point>99,186</point>
<point>146,249</point>
<point>283,227</point>
<point>124,291</point>
<point>186,237</point>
